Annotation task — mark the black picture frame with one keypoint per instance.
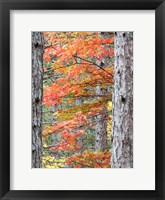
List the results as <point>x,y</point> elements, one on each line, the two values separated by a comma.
<point>5,7</point>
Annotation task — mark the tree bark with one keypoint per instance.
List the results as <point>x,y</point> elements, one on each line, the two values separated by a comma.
<point>37,90</point>
<point>122,119</point>
<point>101,126</point>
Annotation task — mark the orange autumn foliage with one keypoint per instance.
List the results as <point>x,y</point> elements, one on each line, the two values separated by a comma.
<point>78,59</point>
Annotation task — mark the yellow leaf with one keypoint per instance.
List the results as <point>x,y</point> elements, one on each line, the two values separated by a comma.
<point>45,145</point>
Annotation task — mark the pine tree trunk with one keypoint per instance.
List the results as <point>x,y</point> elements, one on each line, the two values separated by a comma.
<point>37,85</point>
<point>122,125</point>
<point>101,126</point>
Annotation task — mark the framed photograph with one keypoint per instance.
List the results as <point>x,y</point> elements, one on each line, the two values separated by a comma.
<point>82,95</point>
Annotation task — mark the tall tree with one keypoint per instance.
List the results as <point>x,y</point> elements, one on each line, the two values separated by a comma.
<point>37,91</point>
<point>122,125</point>
<point>101,125</point>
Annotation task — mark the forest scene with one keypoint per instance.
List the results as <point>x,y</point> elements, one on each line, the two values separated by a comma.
<point>82,100</point>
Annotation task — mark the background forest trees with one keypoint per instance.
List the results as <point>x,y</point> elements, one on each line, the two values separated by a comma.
<point>78,75</point>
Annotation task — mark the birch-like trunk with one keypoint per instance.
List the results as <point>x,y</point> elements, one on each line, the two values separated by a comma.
<point>122,119</point>
<point>37,85</point>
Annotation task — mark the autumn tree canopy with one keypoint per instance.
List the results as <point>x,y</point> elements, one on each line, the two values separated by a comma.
<point>77,99</point>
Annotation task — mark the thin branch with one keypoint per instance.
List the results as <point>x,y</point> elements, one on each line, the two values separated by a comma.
<point>93,64</point>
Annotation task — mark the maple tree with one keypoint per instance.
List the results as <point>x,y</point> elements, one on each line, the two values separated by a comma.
<point>77,98</point>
